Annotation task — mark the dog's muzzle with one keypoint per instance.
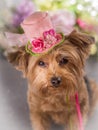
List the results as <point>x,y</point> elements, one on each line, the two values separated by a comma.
<point>55,81</point>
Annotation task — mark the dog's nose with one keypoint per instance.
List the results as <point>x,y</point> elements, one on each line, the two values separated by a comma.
<point>56,81</point>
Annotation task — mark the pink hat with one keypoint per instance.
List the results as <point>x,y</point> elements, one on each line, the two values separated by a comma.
<point>36,24</point>
<point>39,34</point>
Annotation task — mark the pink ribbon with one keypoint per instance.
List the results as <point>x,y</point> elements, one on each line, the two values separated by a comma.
<point>16,39</point>
<point>79,112</point>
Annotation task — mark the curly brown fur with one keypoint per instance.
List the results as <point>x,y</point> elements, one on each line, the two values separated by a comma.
<point>57,102</point>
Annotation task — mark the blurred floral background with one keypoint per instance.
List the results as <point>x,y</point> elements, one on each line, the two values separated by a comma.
<point>66,15</point>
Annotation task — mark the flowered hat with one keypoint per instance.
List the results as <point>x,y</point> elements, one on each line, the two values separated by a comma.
<point>39,34</point>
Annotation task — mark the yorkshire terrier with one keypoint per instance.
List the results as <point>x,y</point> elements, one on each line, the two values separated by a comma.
<point>53,80</point>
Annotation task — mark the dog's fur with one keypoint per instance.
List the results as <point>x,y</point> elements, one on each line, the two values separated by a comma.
<point>47,101</point>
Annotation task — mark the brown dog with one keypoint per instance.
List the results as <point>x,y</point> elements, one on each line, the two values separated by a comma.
<point>53,80</point>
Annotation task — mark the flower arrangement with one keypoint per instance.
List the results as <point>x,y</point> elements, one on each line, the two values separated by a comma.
<point>43,44</point>
<point>66,15</point>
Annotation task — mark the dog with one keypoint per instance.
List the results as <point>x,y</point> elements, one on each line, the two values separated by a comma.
<point>53,80</point>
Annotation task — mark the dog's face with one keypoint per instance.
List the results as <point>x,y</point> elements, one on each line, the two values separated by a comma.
<point>58,71</point>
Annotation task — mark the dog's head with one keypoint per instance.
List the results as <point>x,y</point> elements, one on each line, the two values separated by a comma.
<point>60,70</point>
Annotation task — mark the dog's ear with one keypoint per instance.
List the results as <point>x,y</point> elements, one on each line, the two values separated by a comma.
<point>81,41</point>
<point>19,59</point>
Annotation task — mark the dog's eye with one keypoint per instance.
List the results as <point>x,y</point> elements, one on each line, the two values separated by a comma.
<point>41,63</point>
<point>63,61</point>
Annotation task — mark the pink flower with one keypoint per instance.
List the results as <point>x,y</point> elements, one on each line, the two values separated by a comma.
<point>38,45</point>
<point>51,32</point>
<point>50,38</point>
<point>84,25</point>
<point>81,23</point>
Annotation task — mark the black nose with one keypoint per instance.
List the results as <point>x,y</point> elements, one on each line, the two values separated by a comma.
<point>56,81</point>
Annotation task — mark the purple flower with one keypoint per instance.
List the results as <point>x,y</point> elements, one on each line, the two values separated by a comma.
<point>25,9</point>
